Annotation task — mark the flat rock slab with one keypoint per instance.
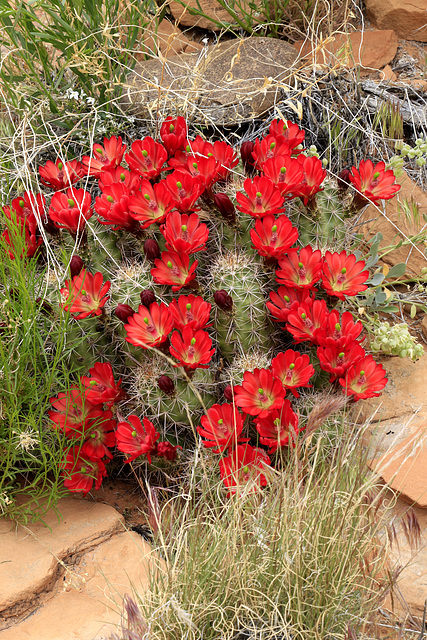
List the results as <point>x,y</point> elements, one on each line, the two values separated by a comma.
<point>214,13</point>
<point>395,226</point>
<point>407,19</point>
<point>224,84</point>
<point>405,394</point>
<point>65,581</point>
<point>367,49</point>
<point>404,467</point>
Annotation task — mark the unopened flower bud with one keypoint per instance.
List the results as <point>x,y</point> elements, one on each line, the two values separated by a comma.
<point>147,297</point>
<point>223,300</point>
<point>246,155</point>
<point>45,308</point>
<point>166,385</point>
<point>228,393</point>
<point>225,207</point>
<point>123,312</point>
<point>152,249</point>
<point>76,265</point>
<point>343,179</point>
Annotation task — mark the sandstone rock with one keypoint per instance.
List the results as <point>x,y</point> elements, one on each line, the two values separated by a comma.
<point>404,395</point>
<point>168,40</point>
<point>214,14</point>
<point>387,74</point>
<point>367,49</point>
<point>230,82</point>
<point>87,605</point>
<point>424,327</point>
<point>395,226</point>
<point>404,467</point>
<point>411,590</point>
<point>66,582</point>
<point>30,556</point>
<point>407,19</point>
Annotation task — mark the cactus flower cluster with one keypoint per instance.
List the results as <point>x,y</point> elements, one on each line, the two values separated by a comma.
<point>190,259</point>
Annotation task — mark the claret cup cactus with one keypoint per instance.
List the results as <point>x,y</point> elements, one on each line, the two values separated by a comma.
<point>200,299</point>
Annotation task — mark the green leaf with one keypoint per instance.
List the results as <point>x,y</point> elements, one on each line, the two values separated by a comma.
<point>397,271</point>
<point>376,279</point>
<point>413,311</point>
<point>390,309</point>
<point>380,297</point>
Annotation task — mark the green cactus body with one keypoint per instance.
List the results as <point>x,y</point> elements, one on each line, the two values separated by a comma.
<point>247,325</point>
<point>324,224</point>
<point>188,402</point>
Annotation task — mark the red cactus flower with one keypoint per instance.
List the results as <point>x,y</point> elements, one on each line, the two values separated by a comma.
<point>192,348</point>
<point>174,269</point>
<point>136,438</point>
<point>147,157</point>
<point>340,330</point>
<point>337,358</point>
<point>314,174</point>
<point>373,182</point>
<point>173,133</point>
<point>28,209</point>
<point>343,275</point>
<point>259,393</point>
<point>72,410</point>
<point>206,170</point>
<point>60,175</point>
<point>85,294</point>
<point>184,189</point>
<point>293,369</point>
<point>99,436</point>
<point>291,132</point>
<point>149,327</point>
<point>152,204</point>
<point>81,472</point>
<point>28,245</point>
<point>112,208</point>
<point>307,321</point>
<point>300,269</point>
<point>262,198</point>
<point>166,450</point>
<point>279,428</point>
<point>71,210</point>
<point>101,385</point>
<point>119,175</point>
<point>191,311</point>
<point>284,300</point>
<point>226,157</point>
<point>184,233</point>
<point>222,426</point>
<point>286,173</point>
<point>272,237</point>
<point>270,147</point>
<point>105,157</point>
<point>365,379</point>
<point>243,469</point>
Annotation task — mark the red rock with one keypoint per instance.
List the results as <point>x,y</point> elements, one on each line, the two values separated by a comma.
<point>213,11</point>
<point>394,225</point>
<point>407,19</point>
<point>367,49</point>
<point>404,467</point>
<point>168,40</point>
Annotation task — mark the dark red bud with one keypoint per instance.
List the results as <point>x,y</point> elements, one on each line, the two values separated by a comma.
<point>152,249</point>
<point>123,312</point>
<point>246,155</point>
<point>13,293</point>
<point>167,450</point>
<point>343,179</point>
<point>48,225</point>
<point>223,300</point>
<point>166,385</point>
<point>45,308</point>
<point>76,265</point>
<point>228,393</point>
<point>147,297</point>
<point>225,207</point>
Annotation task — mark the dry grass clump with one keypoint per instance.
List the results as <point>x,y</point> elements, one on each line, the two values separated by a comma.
<point>304,559</point>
